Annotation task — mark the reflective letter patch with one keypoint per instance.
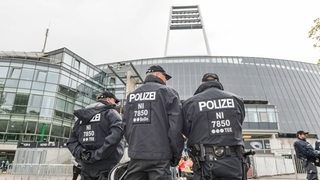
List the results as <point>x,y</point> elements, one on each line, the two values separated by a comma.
<point>141,113</point>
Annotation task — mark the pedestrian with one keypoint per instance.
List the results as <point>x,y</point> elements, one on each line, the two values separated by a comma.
<point>153,128</point>
<point>96,137</point>
<point>3,163</point>
<point>213,125</point>
<point>307,154</point>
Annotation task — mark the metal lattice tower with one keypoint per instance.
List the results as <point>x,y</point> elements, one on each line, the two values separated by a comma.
<point>186,18</point>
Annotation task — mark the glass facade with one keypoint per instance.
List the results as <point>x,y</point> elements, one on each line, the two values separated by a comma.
<point>38,94</point>
<point>292,87</point>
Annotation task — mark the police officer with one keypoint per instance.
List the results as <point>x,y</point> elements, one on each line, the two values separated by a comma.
<point>153,128</point>
<point>305,151</point>
<point>213,125</point>
<point>317,144</point>
<point>96,138</point>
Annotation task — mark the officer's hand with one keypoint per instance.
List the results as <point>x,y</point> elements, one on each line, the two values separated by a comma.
<point>85,156</point>
<point>174,162</point>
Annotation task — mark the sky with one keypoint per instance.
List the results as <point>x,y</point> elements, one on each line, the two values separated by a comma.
<point>104,31</point>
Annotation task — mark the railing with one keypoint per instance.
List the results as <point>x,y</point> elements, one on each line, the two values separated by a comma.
<point>43,169</point>
<point>260,125</point>
<point>276,162</point>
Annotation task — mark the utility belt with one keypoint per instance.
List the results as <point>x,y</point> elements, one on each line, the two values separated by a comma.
<point>223,151</point>
<point>213,153</point>
<point>201,152</point>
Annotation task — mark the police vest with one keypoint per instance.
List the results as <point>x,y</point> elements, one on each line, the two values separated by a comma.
<point>216,121</point>
<point>92,134</point>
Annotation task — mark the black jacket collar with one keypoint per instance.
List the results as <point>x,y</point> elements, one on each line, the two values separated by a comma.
<point>207,85</point>
<point>108,105</point>
<point>302,139</point>
<point>152,78</point>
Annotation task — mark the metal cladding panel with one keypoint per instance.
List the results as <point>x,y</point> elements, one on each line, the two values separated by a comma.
<point>293,87</point>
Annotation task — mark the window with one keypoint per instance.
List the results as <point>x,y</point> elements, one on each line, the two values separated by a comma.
<point>56,130</point>
<point>3,125</point>
<point>9,99</point>
<point>12,83</point>
<point>76,64</point>
<point>83,68</point>
<point>25,84</point>
<point>112,81</point>
<point>41,76</point>
<point>46,113</point>
<point>252,115</point>
<point>67,132</point>
<point>69,107</point>
<point>60,105</point>
<point>38,86</point>
<point>48,102</point>
<point>263,116</point>
<point>15,72</point>
<point>34,104</point>
<point>15,127</point>
<point>3,72</point>
<point>31,127</point>
<point>51,87</point>
<point>64,80</point>
<point>74,84</point>
<point>20,103</point>
<point>53,77</point>
<point>271,115</point>
<point>67,59</point>
<point>27,74</point>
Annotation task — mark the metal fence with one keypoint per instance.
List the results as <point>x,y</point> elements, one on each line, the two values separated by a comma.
<point>265,163</point>
<point>43,169</point>
<point>277,162</point>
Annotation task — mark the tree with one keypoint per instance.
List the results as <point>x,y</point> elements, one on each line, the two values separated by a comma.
<point>314,33</point>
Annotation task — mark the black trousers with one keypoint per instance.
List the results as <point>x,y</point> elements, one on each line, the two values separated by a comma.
<point>312,172</point>
<point>103,175</point>
<point>76,172</point>
<point>148,170</point>
<point>228,168</point>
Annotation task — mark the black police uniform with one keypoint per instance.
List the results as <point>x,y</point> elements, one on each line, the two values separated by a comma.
<point>153,130</point>
<point>213,125</point>
<point>317,145</point>
<point>96,140</point>
<point>305,151</point>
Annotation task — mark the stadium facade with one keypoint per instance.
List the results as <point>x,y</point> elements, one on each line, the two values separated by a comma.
<point>280,95</point>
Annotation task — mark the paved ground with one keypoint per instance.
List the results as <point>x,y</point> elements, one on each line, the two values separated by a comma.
<point>26,177</point>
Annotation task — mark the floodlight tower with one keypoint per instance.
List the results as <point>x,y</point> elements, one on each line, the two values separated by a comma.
<point>186,18</point>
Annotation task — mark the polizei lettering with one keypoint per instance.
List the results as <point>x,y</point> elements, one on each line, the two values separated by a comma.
<point>142,96</point>
<point>216,104</point>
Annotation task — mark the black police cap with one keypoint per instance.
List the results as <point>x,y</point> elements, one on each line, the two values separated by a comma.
<point>157,68</point>
<point>302,132</point>
<point>210,77</point>
<point>107,94</point>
